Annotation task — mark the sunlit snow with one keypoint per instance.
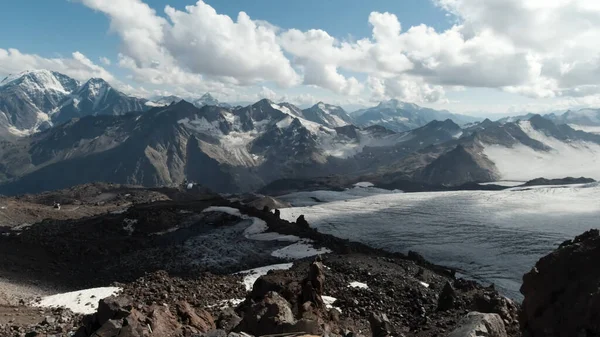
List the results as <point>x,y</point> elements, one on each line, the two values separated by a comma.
<point>492,236</point>
<point>81,302</point>
<point>251,275</point>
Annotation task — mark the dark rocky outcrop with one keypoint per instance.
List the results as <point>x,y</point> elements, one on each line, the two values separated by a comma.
<point>563,181</point>
<point>447,297</point>
<point>562,297</point>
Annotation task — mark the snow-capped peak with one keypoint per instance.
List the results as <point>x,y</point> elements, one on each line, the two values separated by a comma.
<point>397,104</point>
<point>41,80</point>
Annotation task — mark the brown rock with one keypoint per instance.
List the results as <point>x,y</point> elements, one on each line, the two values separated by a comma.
<point>163,323</point>
<point>134,325</point>
<point>199,318</point>
<point>113,307</point>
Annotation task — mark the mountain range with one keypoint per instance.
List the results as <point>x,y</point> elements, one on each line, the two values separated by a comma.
<point>35,100</point>
<point>92,132</point>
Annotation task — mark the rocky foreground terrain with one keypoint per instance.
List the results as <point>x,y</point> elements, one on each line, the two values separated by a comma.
<point>173,253</point>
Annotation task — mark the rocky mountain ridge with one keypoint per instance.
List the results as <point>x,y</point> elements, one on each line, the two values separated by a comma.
<point>33,101</point>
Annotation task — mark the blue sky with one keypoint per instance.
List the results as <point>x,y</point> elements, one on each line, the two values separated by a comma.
<point>483,75</point>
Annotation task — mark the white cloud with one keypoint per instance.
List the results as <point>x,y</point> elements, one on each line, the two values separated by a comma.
<point>267,93</point>
<point>543,49</point>
<point>77,66</point>
<point>197,42</point>
<point>105,60</point>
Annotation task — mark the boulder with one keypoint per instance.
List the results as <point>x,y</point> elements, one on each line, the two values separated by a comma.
<point>110,328</point>
<point>561,293</point>
<point>447,297</point>
<point>477,324</point>
<point>113,307</point>
<point>199,318</point>
<point>272,315</point>
<point>301,221</point>
<point>380,325</point>
<point>134,325</point>
<point>228,320</point>
<point>313,285</point>
<point>162,322</point>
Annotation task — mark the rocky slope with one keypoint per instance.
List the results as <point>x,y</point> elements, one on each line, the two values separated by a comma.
<point>561,291</point>
<point>182,235</point>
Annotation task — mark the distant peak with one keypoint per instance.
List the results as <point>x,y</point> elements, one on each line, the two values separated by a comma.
<point>397,104</point>
<point>35,74</point>
<point>207,96</point>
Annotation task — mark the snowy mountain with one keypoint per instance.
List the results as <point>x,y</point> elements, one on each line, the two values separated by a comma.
<point>400,116</point>
<point>328,115</point>
<point>27,98</point>
<point>33,101</point>
<point>96,97</point>
<point>163,101</point>
<point>228,150</point>
<point>208,99</point>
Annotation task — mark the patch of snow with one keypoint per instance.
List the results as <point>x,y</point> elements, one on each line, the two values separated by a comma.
<point>328,300</point>
<point>222,209</point>
<point>252,275</point>
<point>258,226</point>
<point>155,104</point>
<point>457,135</point>
<point>364,184</point>
<point>224,304</point>
<point>426,285</point>
<point>284,123</point>
<point>299,250</point>
<point>81,302</point>
<point>358,285</point>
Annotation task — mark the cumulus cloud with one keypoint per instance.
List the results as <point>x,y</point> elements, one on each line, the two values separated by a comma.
<point>197,42</point>
<point>536,48</point>
<point>77,66</point>
<point>267,93</point>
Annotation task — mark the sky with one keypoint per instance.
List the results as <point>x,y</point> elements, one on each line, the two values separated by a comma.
<point>484,58</point>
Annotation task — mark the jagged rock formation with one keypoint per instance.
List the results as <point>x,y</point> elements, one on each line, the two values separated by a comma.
<point>561,292</point>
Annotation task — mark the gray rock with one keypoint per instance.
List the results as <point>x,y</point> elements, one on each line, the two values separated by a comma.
<point>380,325</point>
<point>111,328</point>
<point>476,324</point>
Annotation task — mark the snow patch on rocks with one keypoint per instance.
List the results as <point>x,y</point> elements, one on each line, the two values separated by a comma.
<point>359,285</point>
<point>252,275</point>
<point>81,302</point>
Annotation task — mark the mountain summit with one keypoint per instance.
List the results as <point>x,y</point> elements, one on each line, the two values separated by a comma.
<point>401,116</point>
<point>34,100</point>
